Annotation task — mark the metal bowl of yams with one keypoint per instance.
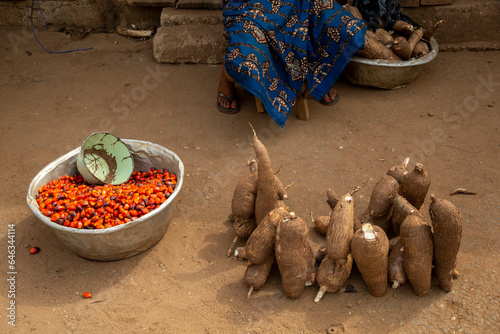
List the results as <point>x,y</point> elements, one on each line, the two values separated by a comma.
<point>109,222</point>
<point>387,74</point>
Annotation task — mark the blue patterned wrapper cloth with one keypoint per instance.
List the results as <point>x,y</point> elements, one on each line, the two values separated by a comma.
<point>275,46</point>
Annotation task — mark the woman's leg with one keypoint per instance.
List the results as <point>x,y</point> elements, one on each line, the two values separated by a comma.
<point>226,87</point>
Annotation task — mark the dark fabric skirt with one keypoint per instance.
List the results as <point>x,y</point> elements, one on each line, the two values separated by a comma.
<point>275,46</point>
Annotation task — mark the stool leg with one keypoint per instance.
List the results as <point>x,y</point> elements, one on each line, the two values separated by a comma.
<point>259,105</point>
<point>302,108</point>
<point>302,105</point>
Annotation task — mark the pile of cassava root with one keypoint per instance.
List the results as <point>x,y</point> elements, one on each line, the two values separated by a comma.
<point>403,41</point>
<point>394,241</point>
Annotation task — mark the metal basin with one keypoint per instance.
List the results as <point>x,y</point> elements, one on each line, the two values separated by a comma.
<point>387,74</point>
<point>124,240</point>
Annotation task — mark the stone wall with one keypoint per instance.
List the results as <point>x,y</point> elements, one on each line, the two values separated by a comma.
<point>77,12</point>
<point>88,13</point>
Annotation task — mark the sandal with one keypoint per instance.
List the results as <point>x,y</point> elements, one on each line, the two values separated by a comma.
<point>230,99</point>
<point>332,102</point>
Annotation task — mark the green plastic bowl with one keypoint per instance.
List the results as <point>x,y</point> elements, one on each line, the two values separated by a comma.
<point>104,158</point>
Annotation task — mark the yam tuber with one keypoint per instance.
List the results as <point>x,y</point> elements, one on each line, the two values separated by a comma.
<point>311,264</point>
<point>243,229</point>
<point>282,193</point>
<point>291,255</point>
<point>421,49</point>
<point>380,199</point>
<point>403,27</point>
<point>256,274</point>
<point>428,33</point>
<point>371,34</point>
<point>243,204</point>
<point>417,241</point>
<point>267,193</point>
<point>383,222</point>
<point>393,241</point>
<point>240,253</point>
<point>373,49</point>
<point>331,276</point>
<point>395,269</point>
<point>252,165</point>
<point>260,245</point>
<point>370,250</point>
<point>340,228</point>
<point>447,227</point>
<point>319,253</point>
<point>321,223</point>
<point>414,38</point>
<point>425,215</point>
<point>400,210</point>
<point>383,36</point>
<point>243,207</point>
<point>357,224</point>
<point>331,198</point>
<point>354,11</point>
<point>243,201</point>
<point>399,172</point>
<point>415,186</point>
<point>401,47</point>
<point>280,187</point>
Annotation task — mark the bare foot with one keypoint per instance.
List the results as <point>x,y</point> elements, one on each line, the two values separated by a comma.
<point>330,96</point>
<point>226,87</point>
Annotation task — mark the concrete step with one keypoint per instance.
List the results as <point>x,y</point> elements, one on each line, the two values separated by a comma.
<point>175,17</point>
<point>190,43</point>
<point>181,4</point>
<point>190,36</point>
<point>199,4</point>
<point>468,22</point>
<point>435,2</point>
<point>151,3</point>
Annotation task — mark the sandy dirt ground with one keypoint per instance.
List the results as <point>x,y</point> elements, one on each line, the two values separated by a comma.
<point>448,120</point>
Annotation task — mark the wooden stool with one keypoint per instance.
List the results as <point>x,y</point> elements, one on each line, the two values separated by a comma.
<point>301,106</point>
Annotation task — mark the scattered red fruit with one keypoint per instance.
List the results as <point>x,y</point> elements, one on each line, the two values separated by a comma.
<point>87,295</point>
<point>34,250</point>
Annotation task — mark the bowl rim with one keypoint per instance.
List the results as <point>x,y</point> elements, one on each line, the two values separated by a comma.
<point>106,133</point>
<point>36,211</point>
<point>405,63</point>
